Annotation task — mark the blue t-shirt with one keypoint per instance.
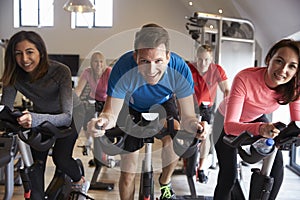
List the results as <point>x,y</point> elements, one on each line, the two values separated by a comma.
<point>127,83</point>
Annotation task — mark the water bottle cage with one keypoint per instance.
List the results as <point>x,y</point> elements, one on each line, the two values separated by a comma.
<point>254,156</point>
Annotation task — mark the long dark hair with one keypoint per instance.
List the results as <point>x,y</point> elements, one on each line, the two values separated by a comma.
<point>289,91</point>
<point>12,69</point>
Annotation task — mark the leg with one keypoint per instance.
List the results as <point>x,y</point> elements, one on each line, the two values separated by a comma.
<point>227,158</point>
<point>205,148</point>
<point>128,167</point>
<point>204,151</point>
<point>277,174</point>
<point>169,160</point>
<point>64,161</point>
<point>36,174</point>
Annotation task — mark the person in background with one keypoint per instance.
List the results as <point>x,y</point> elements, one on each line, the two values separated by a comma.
<point>207,77</point>
<point>28,70</point>
<point>96,77</point>
<point>255,92</point>
<point>147,79</point>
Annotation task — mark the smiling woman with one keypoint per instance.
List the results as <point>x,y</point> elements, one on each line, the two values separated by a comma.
<point>27,56</point>
<point>28,70</point>
<point>255,92</point>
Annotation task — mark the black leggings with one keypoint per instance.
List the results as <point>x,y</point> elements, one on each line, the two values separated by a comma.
<point>62,158</point>
<point>227,158</point>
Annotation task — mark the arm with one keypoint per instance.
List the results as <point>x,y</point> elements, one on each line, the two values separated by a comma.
<point>108,117</point>
<point>188,117</point>
<point>81,85</point>
<point>224,86</point>
<point>295,110</point>
<point>8,96</point>
<point>57,108</point>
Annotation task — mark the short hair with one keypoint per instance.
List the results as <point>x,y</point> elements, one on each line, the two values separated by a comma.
<point>151,36</point>
<point>204,48</point>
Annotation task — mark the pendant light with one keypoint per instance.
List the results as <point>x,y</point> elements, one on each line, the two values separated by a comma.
<point>79,6</point>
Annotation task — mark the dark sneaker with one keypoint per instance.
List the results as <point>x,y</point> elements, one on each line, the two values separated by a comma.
<point>201,177</point>
<point>166,192</point>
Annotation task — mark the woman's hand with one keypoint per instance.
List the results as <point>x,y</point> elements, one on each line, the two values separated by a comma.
<point>268,130</point>
<point>25,120</point>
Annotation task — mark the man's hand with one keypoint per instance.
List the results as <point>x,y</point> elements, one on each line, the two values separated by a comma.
<point>94,128</point>
<point>202,130</point>
<point>97,126</point>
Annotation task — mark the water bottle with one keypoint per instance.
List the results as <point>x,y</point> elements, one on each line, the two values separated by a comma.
<point>264,145</point>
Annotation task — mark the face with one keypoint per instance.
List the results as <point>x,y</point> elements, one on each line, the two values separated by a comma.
<point>282,67</point>
<point>97,63</point>
<point>152,63</point>
<point>27,55</point>
<point>204,59</point>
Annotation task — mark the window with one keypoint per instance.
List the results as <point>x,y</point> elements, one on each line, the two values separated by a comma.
<point>103,17</point>
<point>35,13</point>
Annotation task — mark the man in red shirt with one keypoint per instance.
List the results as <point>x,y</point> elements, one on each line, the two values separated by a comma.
<point>207,76</point>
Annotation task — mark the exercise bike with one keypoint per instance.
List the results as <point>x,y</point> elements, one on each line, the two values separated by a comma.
<point>60,186</point>
<point>261,182</point>
<point>148,128</point>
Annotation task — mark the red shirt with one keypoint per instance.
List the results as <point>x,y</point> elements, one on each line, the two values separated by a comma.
<point>206,86</point>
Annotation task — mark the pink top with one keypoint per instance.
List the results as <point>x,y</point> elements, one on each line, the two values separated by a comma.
<point>206,86</point>
<point>249,99</point>
<point>98,88</point>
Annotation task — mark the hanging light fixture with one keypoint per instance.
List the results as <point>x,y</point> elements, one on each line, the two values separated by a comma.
<point>79,6</point>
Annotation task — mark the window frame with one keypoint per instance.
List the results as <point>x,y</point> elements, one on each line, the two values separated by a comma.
<point>74,18</point>
<point>19,15</point>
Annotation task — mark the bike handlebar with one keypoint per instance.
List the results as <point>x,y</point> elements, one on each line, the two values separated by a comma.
<point>32,136</point>
<point>288,136</point>
<point>184,144</point>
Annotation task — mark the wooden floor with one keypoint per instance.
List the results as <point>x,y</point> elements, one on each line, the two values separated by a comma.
<point>290,189</point>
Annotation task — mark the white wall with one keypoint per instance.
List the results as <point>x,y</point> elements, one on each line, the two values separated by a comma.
<point>128,16</point>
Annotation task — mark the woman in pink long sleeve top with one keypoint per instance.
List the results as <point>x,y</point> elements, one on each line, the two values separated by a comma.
<point>255,92</point>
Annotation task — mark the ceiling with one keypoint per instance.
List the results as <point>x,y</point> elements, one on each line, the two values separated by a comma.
<point>272,19</point>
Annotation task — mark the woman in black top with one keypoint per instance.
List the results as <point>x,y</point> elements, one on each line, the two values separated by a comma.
<point>48,85</point>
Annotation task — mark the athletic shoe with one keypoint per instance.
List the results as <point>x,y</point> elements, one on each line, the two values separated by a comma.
<point>167,192</point>
<point>201,177</point>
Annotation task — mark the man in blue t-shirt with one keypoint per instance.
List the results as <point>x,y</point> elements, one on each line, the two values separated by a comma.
<point>149,79</point>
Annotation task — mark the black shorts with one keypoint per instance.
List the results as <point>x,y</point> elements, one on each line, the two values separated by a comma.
<point>168,108</point>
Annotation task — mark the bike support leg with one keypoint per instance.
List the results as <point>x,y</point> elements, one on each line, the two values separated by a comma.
<point>9,179</point>
<point>148,159</point>
<point>147,183</point>
<point>268,163</point>
<point>261,183</point>
<point>28,162</point>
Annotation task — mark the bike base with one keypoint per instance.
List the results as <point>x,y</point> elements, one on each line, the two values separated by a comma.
<point>189,197</point>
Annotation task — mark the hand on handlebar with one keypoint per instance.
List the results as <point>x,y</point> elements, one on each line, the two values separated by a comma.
<point>268,130</point>
<point>201,130</point>
<point>97,126</point>
<point>25,120</point>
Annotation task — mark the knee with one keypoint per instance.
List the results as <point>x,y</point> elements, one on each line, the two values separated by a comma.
<point>127,178</point>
